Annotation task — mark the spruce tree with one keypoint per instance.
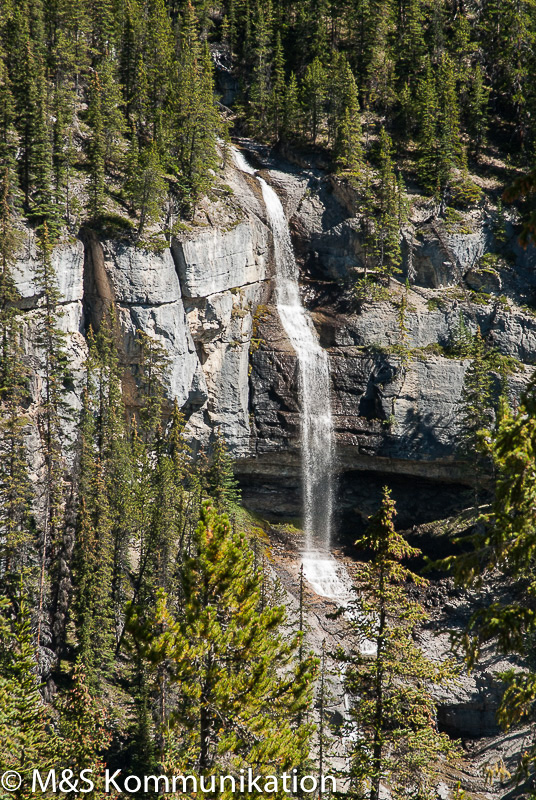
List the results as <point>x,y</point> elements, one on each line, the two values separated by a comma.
<point>196,122</point>
<point>477,111</point>
<point>260,91</point>
<point>50,340</point>
<point>221,484</point>
<point>348,150</point>
<point>449,127</point>
<point>394,742</point>
<point>236,680</point>
<point>428,145</point>
<point>83,733</point>
<point>314,97</point>
<point>277,95</point>
<point>150,188</point>
<point>15,489</point>
<point>475,412</point>
<point>504,543</point>
<point>28,739</point>
<point>96,151</point>
<point>291,111</point>
<point>390,256</point>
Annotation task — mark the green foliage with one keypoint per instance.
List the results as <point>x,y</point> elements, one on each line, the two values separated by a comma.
<point>504,542</point>
<point>25,722</point>
<point>395,744</point>
<point>221,484</point>
<point>237,680</point>
<point>476,410</point>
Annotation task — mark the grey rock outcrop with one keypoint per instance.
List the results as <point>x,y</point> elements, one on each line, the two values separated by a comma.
<point>145,289</point>
<point>214,260</point>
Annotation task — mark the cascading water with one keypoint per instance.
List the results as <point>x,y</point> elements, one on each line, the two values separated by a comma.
<point>326,576</point>
<point>317,436</point>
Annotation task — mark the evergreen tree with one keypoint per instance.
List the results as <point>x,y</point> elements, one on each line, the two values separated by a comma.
<point>25,731</point>
<point>292,111</point>
<point>15,488</point>
<point>394,741</point>
<point>410,44</point>
<point>475,412</point>
<point>477,113</point>
<point>277,96</point>
<point>260,92</point>
<point>428,145</point>
<point>348,151</point>
<point>147,187</point>
<point>390,256</point>
<point>82,730</point>
<point>314,97</point>
<point>449,126</point>
<point>105,490</point>
<point>196,120</point>
<point>50,340</point>
<point>94,554</point>
<point>237,681</point>
<point>96,151</point>
<point>505,542</point>
<point>221,484</point>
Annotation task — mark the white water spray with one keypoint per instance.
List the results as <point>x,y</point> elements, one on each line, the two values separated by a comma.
<point>317,436</point>
<point>326,576</point>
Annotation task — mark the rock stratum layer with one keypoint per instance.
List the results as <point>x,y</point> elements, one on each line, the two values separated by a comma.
<point>208,299</point>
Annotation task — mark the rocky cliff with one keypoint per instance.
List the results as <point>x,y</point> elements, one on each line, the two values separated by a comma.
<point>207,298</point>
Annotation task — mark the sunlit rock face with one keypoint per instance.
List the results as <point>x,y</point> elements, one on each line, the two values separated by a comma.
<point>208,298</point>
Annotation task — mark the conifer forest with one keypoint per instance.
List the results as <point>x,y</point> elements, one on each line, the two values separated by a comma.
<point>267,399</point>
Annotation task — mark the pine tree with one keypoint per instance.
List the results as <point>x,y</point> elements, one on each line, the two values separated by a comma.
<point>475,412</point>
<point>410,45</point>
<point>94,555</point>
<point>15,488</point>
<point>50,340</point>
<point>27,737</point>
<point>196,122</point>
<point>105,488</point>
<point>277,95</point>
<point>8,134</point>
<point>159,66</point>
<point>82,729</point>
<point>388,225</point>
<point>30,91</point>
<point>449,139</point>
<point>348,150</point>
<point>150,188</point>
<point>477,113</point>
<point>314,97</point>
<point>109,105</point>
<point>96,151</point>
<point>504,542</point>
<point>236,679</point>
<point>221,484</point>
<point>393,737</point>
<point>260,91</point>
<point>292,111</point>
<point>428,145</point>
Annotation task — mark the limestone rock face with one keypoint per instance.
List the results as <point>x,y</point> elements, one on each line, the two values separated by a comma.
<point>207,299</point>
<point>145,288</point>
<point>214,260</point>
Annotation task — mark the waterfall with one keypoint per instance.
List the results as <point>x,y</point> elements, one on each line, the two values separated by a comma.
<point>317,436</point>
<point>322,571</point>
<point>316,424</point>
